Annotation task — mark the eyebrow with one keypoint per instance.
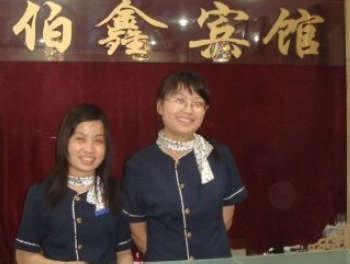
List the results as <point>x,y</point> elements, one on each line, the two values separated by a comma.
<point>83,134</point>
<point>194,97</point>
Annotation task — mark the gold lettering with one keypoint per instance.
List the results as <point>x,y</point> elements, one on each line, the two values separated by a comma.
<point>54,38</point>
<point>28,23</point>
<point>122,29</point>
<point>303,28</point>
<point>57,31</point>
<point>221,41</point>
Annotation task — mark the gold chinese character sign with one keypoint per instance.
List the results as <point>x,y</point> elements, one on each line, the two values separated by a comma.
<point>221,42</point>
<point>304,29</point>
<point>123,30</point>
<point>57,30</point>
<point>163,31</point>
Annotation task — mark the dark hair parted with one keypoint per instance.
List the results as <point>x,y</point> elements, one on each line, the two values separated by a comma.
<point>57,179</point>
<point>184,80</point>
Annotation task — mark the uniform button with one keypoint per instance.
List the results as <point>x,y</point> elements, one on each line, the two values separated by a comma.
<point>80,247</point>
<point>79,220</point>
<point>77,198</point>
<point>182,186</point>
<point>187,211</point>
<point>189,234</point>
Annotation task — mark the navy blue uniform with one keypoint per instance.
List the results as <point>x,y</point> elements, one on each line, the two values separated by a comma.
<point>184,216</point>
<point>70,231</point>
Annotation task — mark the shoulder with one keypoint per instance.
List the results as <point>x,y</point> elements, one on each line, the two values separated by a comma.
<point>221,150</point>
<point>36,194</point>
<point>144,155</point>
<point>38,188</point>
<point>220,146</point>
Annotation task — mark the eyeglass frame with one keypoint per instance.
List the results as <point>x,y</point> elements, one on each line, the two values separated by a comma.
<point>196,106</point>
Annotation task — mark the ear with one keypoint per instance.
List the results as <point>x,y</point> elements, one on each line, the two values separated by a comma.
<point>159,107</point>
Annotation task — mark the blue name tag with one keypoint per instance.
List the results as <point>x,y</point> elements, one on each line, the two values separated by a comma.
<point>102,212</point>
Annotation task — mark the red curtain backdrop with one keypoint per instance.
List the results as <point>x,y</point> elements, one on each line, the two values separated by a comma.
<point>284,124</point>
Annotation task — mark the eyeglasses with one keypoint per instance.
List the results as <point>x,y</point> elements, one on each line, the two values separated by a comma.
<point>197,106</point>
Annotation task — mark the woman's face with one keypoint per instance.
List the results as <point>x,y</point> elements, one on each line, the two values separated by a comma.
<point>182,114</point>
<point>86,148</point>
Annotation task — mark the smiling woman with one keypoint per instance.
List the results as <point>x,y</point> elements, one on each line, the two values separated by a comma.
<point>86,148</point>
<point>73,215</point>
<point>181,190</point>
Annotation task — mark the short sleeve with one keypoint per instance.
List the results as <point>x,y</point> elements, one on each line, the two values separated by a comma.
<point>133,206</point>
<point>30,231</point>
<point>235,191</point>
<point>124,240</point>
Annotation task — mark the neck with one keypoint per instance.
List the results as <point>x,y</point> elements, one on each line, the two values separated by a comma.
<point>172,147</point>
<point>180,138</point>
<point>82,181</point>
<point>80,176</point>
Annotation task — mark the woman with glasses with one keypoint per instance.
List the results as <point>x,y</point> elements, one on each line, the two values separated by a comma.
<point>180,191</point>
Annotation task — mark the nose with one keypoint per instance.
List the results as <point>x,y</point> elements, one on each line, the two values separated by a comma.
<point>89,146</point>
<point>188,107</point>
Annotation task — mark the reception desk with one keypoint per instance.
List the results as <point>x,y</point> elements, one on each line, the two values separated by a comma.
<point>314,257</point>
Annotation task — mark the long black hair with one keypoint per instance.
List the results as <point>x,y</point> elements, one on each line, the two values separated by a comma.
<point>57,179</point>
